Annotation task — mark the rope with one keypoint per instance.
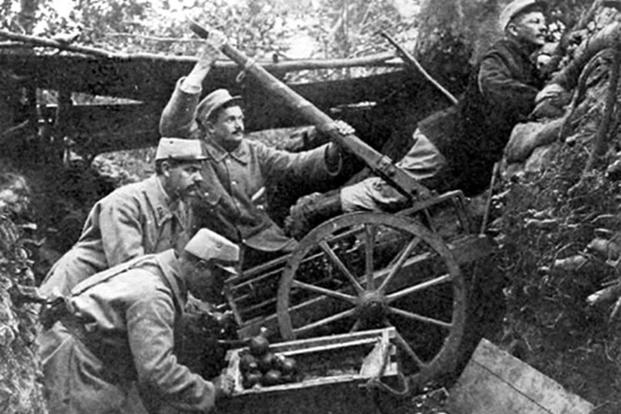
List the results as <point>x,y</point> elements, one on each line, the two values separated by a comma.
<point>374,384</point>
<point>242,75</point>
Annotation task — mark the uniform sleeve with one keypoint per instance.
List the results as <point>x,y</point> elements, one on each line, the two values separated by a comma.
<point>178,116</point>
<point>121,230</point>
<point>150,323</point>
<point>305,165</point>
<point>501,88</point>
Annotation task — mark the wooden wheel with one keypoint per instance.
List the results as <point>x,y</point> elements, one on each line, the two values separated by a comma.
<point>368,270</point>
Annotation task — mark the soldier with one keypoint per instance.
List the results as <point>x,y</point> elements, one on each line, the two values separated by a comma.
<point>145,217</point>
<point>236,168</point>
<point>116,335</point>
<point>456,148</point>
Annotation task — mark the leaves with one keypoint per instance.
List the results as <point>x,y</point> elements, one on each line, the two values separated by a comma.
<point>260,28</point>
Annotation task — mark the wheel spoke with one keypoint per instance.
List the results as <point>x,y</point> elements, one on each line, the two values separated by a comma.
<point>397,266</point>
<point>356,326</point>
<point>324,321</point>
<point>323,291</point>
<point>408,349</point>
<point>420,318</point>
<point>416,288</point>
<point>341,266</point>
<point>369,245</point>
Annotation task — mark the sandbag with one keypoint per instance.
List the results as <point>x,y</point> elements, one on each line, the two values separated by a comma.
<point>527,136</point>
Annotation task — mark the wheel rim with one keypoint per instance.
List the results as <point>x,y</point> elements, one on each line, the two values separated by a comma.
<point>377,270</point>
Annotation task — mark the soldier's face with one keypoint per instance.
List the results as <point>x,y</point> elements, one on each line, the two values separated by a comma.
<point>184,179</point>
<point>227,130</point>
<point>205,281</point>
<point>530,28</point>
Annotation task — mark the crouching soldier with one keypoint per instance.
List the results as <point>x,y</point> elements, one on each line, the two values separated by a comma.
<point>140,218</point>
<point>117,334</point>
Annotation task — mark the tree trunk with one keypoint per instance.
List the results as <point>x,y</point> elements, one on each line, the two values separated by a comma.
<point>453,35</point>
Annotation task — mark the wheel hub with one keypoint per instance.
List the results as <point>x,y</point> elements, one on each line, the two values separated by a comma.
<point>371,307</point>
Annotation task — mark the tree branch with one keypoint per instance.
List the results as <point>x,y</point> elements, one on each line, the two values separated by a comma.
<point>154,38</point>
<point>381,59</point>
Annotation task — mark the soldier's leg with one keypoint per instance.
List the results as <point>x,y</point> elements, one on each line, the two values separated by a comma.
<point>422,162</point>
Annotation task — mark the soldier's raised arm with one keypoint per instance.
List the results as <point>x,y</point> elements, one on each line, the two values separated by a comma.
<point>179,116</point>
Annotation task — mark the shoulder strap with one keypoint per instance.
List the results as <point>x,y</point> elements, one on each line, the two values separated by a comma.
<point>108,274</point>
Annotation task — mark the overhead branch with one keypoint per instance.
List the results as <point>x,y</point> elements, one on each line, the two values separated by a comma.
<point>153,38</point>
<point>381,60</point>
<point>39,41</point>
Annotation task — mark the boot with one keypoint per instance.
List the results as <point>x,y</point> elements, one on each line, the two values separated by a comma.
<point>310,211</point>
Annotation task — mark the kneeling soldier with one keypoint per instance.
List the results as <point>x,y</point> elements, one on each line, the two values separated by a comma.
<point>118,332</point>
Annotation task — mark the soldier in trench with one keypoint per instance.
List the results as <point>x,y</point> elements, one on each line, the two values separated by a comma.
<point>111,349</point>
<point>455,148</point>
<point>237,168</point>
<point>145,217</point>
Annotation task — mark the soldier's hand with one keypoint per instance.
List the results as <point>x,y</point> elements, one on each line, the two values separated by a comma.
<point>344,128</point>
<point>224,385</point>
<point>211,49</point>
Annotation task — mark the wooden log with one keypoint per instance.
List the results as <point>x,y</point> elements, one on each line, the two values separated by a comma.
<point>136,79</point>
<point>380,59</point>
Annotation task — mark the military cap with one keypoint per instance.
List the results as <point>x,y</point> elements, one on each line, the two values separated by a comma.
<point>517,7</point>
<point>180,149</point>
<point>213,101</point>
<point>208,245</point>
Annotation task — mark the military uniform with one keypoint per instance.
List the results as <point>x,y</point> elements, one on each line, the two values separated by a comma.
<point>457,148</point>
<point>120,333</point>
<point>133,220</point>
<point>231,179</point>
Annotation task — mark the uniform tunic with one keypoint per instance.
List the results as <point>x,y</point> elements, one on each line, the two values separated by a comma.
<point>458,147</point>
<point>231,179</point>
<point>133,220</point>
<point>129,340</point>
<point>500,94</point>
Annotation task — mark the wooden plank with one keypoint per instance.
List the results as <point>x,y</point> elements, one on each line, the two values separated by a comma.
<point>153,81</point>
<point>495,382</point>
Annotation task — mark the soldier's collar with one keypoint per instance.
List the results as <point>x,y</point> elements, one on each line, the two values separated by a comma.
<point>159,200</point>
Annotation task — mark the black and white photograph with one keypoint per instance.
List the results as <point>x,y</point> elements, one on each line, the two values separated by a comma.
<point>310,206</point>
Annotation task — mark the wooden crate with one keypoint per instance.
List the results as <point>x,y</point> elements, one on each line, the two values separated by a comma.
<point>334,372</point>
<point>495,382</point>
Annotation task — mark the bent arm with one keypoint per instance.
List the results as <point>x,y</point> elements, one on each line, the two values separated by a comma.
<point>178,117</point>
<point>150,324</point>
<point>321,163</point>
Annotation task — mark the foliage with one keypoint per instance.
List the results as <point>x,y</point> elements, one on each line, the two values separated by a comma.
<point>548,223</point>
<point>260,28</point>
